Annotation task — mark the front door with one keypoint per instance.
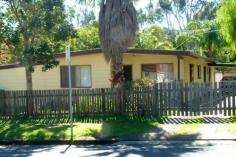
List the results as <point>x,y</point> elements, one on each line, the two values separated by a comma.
<point>128,73</point>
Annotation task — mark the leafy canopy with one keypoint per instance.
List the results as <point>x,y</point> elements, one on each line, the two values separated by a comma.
<point>39,29</point>
<point>87,37</point>
<point>205,38</point>
<point>226,17</point>
<point>154,37</point>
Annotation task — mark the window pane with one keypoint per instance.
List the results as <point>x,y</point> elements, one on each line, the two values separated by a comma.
<point>199,71</point>
<point>205,73</point>
<point>159,72</point>
<point>77,76</point>
<point>165,72</point>
<point>64,76</point>
<point>83,76</point>
<point>209,74</point>
<point>191,72</point>
<point>149,71</point>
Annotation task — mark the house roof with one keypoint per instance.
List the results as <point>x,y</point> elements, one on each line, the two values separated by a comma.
<point>222,64</point>
<point>139,51</point>
<point>180,53</point>
<point>9,66</point>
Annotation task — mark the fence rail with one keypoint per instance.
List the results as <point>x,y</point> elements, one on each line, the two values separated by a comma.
<point>163,99</point>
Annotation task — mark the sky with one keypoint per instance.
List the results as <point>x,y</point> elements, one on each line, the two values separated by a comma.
<point>139,4</point>
<point>73,4</point>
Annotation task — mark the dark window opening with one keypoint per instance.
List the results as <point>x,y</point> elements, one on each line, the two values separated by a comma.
<point>128,73</point>
<point>191,72</point>
<point>199,71</point>
<point>209,71</point>
<point>80,76</point>
<point>204,73</point>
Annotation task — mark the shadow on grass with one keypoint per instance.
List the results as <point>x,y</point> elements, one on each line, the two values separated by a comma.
<point>128,127</point>
<point>163,120</point>
<point>55,128</point>
<point>32,129</point>
<point>100,119</point>
<point>202,120</point>
<point>143,128</point>
<point>43,129</point>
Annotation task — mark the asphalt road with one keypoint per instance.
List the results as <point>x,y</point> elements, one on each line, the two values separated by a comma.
<point>219,148</point>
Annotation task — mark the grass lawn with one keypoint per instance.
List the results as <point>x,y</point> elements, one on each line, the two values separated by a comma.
<point>59,129</point>
<point>97,127</point>
<point>231,128</point>
<point>184,129</point>
<point>187,128</point>
<point>231,125</point>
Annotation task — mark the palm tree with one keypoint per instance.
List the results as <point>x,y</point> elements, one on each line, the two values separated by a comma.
<point>117,28</point>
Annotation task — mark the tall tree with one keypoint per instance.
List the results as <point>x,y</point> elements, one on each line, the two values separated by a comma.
<point>178,13</point>
<point>226,17</point>
<point>204,38</point>
<point>208,11</point>
<point>154,37</point>
<point>40,26</point>
<point>117,28</point>
<point>86,17</point>
<point>149,15</point>
<point>87,37</point>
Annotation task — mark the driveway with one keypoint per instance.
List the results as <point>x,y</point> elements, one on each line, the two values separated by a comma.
<point>127,149</point>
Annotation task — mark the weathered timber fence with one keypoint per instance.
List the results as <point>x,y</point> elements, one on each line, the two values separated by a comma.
<point>163,99</point>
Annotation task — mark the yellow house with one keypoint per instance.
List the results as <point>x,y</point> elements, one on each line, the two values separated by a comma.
<point>90,70</point>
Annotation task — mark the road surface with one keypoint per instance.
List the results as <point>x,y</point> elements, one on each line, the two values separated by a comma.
<point>221,148</point>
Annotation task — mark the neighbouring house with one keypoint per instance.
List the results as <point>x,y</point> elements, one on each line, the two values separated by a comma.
<point>90,70</point>
<point>223,70</point>
<point>230,70</point>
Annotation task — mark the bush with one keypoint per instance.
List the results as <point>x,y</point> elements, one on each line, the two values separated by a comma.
<point>139,83</point>
<point>143,83</point>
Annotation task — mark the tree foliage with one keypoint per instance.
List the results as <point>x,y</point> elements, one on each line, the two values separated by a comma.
<point>117,29</point>
<point>87,37</point>
<point>154,37</point>
<point>206,39</point>
<point>177,13</point>
<point>226,17</point>
<point>39,29</point>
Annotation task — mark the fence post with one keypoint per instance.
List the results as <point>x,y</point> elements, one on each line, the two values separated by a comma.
<point>154,99</point>
<point>103,101</point>
<point>233,98</point>
<point>181,89</point>
<point>2,103</point>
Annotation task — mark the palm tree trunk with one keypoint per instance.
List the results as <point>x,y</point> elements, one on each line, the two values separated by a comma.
<point>117,28</point>
<point>118,84</point>
<point>117,73</point>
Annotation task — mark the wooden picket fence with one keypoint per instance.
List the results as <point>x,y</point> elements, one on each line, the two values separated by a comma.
<point>162,99</point>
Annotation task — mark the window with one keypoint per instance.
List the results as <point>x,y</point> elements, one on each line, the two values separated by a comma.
<point>204,74</point>
<point>199,71</point>
<point>80,76</point>
<point>159,72</point>
<point>128,73</point>
<point>209,73</point>
<point>191,72</point>
<point>149,71</point>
